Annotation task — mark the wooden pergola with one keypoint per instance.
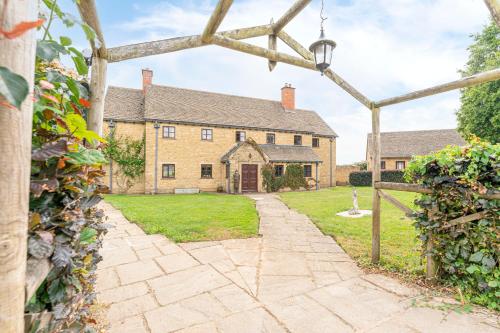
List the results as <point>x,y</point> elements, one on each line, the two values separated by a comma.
<point>15,140</point>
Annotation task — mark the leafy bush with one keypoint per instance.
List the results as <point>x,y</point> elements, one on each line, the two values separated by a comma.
<point>294,177</point>
<point>270,181</point>
<point>66,170</point>
<point>129,154</point>
<point>467,253</point>
<point>364,178</point>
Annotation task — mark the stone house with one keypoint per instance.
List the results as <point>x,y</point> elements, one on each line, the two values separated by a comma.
<point>397,148</point>
<point>197,141</point>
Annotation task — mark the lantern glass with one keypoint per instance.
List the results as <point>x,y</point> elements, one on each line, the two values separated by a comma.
<point>323,50</point>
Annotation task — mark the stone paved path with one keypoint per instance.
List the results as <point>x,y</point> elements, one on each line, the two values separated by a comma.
<point>292,279</point>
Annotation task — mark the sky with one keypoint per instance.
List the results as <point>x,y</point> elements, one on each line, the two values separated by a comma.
<point>384,48</point>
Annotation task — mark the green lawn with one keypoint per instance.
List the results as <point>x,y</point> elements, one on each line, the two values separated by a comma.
<point>190,217</point>
<point>400,250</point>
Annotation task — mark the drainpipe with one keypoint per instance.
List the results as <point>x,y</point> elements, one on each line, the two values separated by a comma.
<point>331,163</point>
<point>156,126</point>
<point>228,174</point>
<point>317,184</point>
<point>111,126</point>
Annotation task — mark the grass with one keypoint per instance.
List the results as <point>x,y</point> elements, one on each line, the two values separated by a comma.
<point>190,217</point>
<point>400,250</point>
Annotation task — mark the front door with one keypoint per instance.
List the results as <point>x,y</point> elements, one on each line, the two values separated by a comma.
<point>249,178</point>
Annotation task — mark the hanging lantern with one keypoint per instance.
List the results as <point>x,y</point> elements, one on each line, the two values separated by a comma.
<point>322,50</point>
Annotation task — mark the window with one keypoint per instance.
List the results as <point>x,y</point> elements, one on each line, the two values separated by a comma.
<point>206,171</point>
<point>278,170</point>
<point>240,136</point>
<point>169,132</point>
<point>307,170</point>
<point>206,134</point>
<point>270,138</point>
<point>228,171</point>
<point>297,140</point>
<point>168,171</point>
<point>400,165</point>
<point>382,165</point>
<point>315,142</point>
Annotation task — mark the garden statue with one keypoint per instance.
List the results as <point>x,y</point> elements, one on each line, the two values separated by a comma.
<point>236,179</point>
<point>355,209</point>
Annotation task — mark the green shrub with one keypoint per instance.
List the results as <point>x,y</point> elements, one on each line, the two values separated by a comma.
<point>269,180</point>
<point>294,177</point>
<point>467,253</point>
<point>364,178</point>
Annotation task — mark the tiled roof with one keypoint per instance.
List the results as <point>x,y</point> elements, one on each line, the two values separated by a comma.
<point>411,143</point>
<point>124,104</point>
<point>283,153</point>
<point>198,107</point>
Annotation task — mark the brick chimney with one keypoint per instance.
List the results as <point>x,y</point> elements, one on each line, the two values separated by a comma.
<point>288,97</point>
<point>147,78</point>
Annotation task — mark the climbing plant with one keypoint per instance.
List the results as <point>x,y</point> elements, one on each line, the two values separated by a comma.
<point>129,154</point>
<point>294,177</point>
<point>270,181</point>
<point>467,253</point>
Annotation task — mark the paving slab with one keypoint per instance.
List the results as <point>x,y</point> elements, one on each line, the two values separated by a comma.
<point>291,279</point>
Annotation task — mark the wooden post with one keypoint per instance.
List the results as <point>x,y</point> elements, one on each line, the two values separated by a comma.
<point>375,178</point>
<point>97,94</point>
<point>18,55</point>
<point>272,45</point>
<point>430,271</point>
<point>494,7</point>
<point>88,12</point>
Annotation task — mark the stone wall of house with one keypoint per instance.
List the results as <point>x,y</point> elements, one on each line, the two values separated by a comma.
<point>123,129</point>
<point>188,152</point>
<point>343,171</point>
<point>390,163</point>
<point>326,169</point>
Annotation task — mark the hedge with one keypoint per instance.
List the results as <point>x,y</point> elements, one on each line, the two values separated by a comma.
<point>466,253</point>
<point>364,178</point>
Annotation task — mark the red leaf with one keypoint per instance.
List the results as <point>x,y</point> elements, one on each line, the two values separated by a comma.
<point>76,109</point>
<point>50,98</point>
<point>84,102</point>
<point>21,28</point>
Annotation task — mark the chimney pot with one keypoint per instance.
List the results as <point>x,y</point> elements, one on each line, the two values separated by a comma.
<point>147,78</point>
<point>288,97</point>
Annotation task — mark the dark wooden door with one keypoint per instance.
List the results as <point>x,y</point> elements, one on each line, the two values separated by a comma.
<point>249,178</point>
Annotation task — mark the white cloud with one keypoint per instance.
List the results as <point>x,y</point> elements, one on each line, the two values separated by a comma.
<point>385,48</point>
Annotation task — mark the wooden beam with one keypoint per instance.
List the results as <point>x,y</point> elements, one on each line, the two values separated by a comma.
<point>430,267</point>
<point>146,49</point>
<point>348,88</point>
<point>215,20</point>
<point>36,272</point>
<point>88,12</point>
<point>272,45</point>
<point>487,76</point>
<point>18,55</point>
<point>398,204</point>
<point>290,14</point>
<point>491,195</point>
<point>296,46</point>
<point>288,59</point>
<point>402,187</point>
<point>494,7</point>
<point>463,219</point>
<point>375,178</point>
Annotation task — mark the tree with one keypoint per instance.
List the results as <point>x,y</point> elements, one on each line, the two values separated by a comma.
<point>479,113</point>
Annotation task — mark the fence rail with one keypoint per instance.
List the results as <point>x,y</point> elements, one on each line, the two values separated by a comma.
<point>431,264</point>
<point>36,272</point>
